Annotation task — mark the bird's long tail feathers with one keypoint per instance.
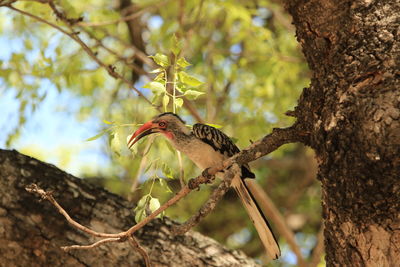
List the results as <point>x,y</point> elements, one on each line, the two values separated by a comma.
<point>244,189</point>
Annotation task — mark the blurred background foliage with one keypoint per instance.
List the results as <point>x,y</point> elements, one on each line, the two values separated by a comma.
<point>54,96</point>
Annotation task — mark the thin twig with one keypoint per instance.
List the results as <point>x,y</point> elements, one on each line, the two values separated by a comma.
<point>96,244</point>
<point>211,202</point>
<point>33,188</point>
<point>135,244</point>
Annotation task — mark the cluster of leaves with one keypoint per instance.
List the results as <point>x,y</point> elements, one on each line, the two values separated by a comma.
<point>181,82</point>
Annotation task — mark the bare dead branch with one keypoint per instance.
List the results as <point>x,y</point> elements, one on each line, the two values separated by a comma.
<point>33,188</point>
<point>135,244</point>
<point>96,244</point>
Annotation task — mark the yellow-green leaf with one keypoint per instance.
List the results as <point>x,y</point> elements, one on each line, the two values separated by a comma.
<point>193,94</point>
<point>165,101</point>
<point>155,87</point>
<point>178,102</point>
<point>97,136</point>
<point>182,62</point>
<point>188,79</point>
<point>161,59</point>
<point>154,204</point>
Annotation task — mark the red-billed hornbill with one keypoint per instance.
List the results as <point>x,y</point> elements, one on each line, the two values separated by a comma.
<point>207,146</point>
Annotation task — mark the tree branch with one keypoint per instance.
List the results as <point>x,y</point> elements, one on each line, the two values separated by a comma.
<point>135,244</point>
<point>74,36</point>
<point>211,202</point>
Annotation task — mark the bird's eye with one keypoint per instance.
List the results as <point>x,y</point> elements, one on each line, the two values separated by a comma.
<point>162,124</point>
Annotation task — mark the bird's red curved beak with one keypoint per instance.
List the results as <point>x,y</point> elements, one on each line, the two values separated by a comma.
<point>146,129</point>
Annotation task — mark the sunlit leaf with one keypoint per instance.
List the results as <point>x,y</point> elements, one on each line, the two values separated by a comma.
<point>178,102</point>
<point>193,94</point>
<point>214,125</point>
<point>107,122</point>
<point>176,45</point>
<point>97,136</point>
<point>182,62</point>
<point>164,185</point>
<point>160,77</point>
<point>167,171</point>
<point>165,101</point>
<point>155,87</point>
<point>188,79</point>
<point>161,59</point>
<point>154,204</point>
<point>156,70</point>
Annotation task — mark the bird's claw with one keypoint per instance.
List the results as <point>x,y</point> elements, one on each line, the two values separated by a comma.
<point>193,184</point>
<point>205,173</point>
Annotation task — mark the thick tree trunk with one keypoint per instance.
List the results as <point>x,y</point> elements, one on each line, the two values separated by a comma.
<point>351,112</point>
<point>32,231</point>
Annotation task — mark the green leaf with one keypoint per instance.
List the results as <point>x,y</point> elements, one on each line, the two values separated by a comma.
<point>214,125</point>
<point>140,210</point>
<point>183,63</point>
<point>193,94</point>
<point>167,171</point>
<point>157,70</point>
<point>154,204</point>
<point>160,59</point>
<point>188,79</point>
<point>97,136</point>
<point>155,87</point>
<point>150,164</point>
<point>107,122</point>
<point>143,201</point>
<point>164,185</point>
<point>165,101</point>
<point>178,102</point>
<point>160,78</point>
<point>176,45</point>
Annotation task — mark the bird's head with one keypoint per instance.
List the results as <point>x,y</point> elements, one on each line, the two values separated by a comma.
<point>168,124</point>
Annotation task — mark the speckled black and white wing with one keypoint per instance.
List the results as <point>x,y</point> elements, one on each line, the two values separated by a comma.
<point>219,142</point>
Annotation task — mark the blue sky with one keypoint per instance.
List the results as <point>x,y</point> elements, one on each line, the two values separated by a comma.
<point>52,128</point>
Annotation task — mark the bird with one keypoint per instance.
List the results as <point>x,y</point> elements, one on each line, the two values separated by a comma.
<point>207,146</point>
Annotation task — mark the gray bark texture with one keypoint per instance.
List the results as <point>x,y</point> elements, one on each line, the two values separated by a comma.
<point>32,231</point>
<point>351,113</point>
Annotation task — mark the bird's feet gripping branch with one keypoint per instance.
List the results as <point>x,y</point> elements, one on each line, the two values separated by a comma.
<point>208,147</point>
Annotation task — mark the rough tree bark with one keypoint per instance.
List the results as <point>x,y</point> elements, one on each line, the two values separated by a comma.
<point>32,231</point>
<point>351,112</point>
